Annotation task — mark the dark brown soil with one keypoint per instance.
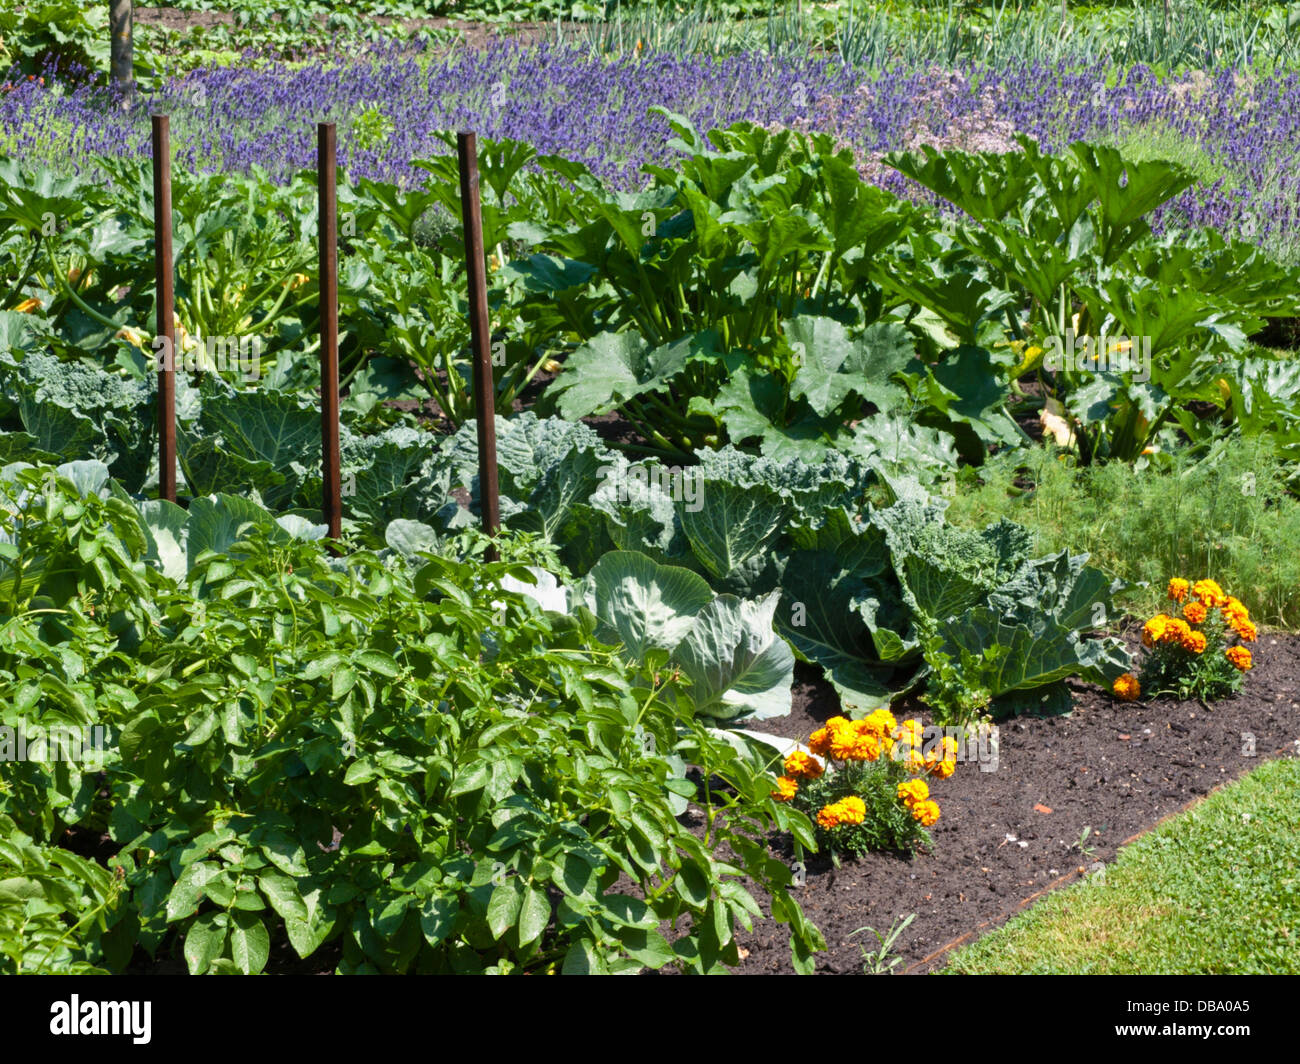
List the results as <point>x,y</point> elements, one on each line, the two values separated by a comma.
<point>1006,835</point>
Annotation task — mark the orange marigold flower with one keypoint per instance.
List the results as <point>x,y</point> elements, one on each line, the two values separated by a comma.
<point>829,815</point>
<point>1195,642</point>
<point>1195,612</point>
<point>1239,656</point>
<point>914,762</point>
<point>820,742</point>
<point>913,791</point>
<point>1234,608</point>
<point>844,744</point>
<point>866,747</point>
<point>941,760</point>
<point>786,788</point>
<point>802,766</point>
<point>1178,589</point>
<point>881,722</point>
<point>1127,687</point>
<point>1176,631</point>
<point>926,812</point>
<point>1154,630</point>
<point>944,769</point>
<point>911,731</point>
<point>1246,630</point>
<point>853,810</point>
<point>1210,593</point>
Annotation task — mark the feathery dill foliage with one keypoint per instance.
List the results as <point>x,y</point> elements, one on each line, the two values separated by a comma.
<point>1228,514</point>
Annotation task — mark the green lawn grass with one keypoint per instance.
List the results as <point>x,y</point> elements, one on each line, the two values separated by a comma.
<point>1215,890</point>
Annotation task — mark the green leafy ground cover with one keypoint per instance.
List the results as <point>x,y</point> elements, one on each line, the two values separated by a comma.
<point>398,755</point>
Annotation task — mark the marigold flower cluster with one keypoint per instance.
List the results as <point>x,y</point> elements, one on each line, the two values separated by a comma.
<point>916,796</point>
<point>1165,629</point>
<point>801,766</point>
<point>798,766</point>
<point>855,740</point>
<point>786,788</point>
<point>1199,603</point>
<point>1239,620</point>
<point>877,736</point>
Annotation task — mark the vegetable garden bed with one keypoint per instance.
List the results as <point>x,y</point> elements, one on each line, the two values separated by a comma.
<point>1007,836</point>
<point>731,410</point>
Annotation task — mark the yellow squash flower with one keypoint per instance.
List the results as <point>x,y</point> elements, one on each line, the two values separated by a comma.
<point>131,336</point>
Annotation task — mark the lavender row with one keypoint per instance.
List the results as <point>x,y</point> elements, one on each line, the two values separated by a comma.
<point>1243,129</point>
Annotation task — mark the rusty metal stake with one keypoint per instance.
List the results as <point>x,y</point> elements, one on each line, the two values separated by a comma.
<point>480,337</point>
<point>164,341</point>
<point>332,501</point>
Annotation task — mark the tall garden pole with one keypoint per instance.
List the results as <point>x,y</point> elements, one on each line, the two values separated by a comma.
<point>480,337</point>
<point>164,343</point>
<point>332,502</point>
<point>121,48</point>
